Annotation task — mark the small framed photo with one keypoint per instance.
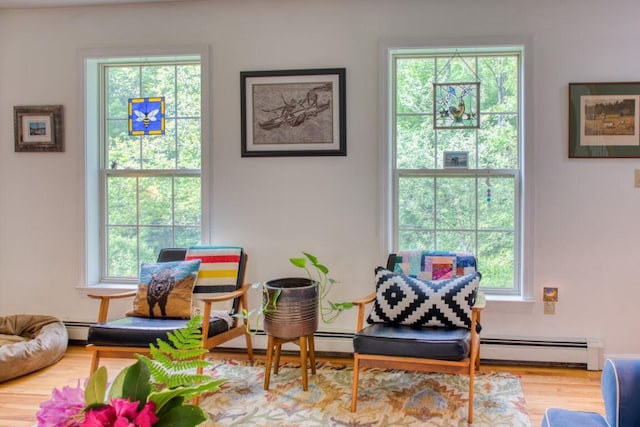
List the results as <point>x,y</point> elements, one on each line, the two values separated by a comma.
<point>293,113</point>
<point>456,159</point>
<point>38,128</point>
<point>550,294</point>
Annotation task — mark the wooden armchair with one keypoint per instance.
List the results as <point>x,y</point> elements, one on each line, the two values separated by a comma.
<point>400,336</point>
<point>220,279</point>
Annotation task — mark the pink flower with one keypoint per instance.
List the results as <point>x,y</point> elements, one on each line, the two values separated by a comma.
<point>121,413</point>
<point>147,417</point>
<point>64,409</point>
<point>125,408</point>
<point>100,417</point>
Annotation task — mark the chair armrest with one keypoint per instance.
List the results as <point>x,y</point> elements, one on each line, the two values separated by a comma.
<point>206,315</point>
<point>361,303</point>
<point>481,301</point>
<point>104,302</point>
<point>476,310</point>
<point>113,296</point>
<point>226,296</point>
<point>366,300</point>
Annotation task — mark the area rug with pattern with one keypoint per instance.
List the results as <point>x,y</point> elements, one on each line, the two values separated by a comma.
<point>385,398</point>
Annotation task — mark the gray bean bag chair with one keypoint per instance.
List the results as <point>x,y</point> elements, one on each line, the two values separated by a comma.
<point>30,342</point>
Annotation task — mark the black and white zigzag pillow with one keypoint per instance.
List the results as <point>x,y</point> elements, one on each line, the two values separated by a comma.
<point>403,300</point>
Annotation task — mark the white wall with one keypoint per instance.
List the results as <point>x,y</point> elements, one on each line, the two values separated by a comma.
<point>585,224</point>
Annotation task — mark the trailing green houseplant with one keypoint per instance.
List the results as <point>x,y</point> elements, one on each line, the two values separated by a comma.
<point>316,272</point>
<point>329,311</point>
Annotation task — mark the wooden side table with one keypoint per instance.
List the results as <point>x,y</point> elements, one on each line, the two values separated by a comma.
<point>307,352</point>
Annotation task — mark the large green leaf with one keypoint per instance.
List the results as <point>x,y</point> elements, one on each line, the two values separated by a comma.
<point>182,416</point>
<point>96,387</point>
<point>136,384</point>
<point>115,391</point>
<point>164,396</point>
<point>169,405</point>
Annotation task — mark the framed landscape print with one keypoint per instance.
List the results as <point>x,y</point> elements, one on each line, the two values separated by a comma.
<point>38,128</point>
<point>604,120</point>
<point>293,113</point>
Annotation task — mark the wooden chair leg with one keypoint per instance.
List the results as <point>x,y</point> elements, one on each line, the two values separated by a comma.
<point>354,386</point>
<point>95,360</point>
<point>472,374</point>
<point>267,368</point>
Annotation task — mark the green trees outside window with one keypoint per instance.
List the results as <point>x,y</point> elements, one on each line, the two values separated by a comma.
<point>151,184</point>
<point>474,209</point>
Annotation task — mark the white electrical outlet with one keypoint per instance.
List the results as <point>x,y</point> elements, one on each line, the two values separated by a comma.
<point>549,307</point>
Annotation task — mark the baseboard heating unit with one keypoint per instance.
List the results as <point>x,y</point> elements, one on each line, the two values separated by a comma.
<point>578,352</point>
<point>571,352</point>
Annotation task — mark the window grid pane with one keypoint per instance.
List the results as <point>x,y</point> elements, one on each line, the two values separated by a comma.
<point>472,209</point>
<point>151,184</point>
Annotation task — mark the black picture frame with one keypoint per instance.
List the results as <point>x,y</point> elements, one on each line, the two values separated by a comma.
<point>38,128</point>
<point>604,120</point>
<point>293,112</point>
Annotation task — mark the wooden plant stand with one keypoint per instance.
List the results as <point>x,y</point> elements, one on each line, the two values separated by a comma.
<point>307,352</point>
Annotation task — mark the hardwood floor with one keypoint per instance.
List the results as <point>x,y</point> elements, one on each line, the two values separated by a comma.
<point>543,386</point>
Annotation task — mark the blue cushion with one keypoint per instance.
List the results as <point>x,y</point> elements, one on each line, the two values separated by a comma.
<point>554,417</point>
<point>621,391</point>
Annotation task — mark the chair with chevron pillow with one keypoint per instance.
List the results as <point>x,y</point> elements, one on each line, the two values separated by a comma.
<point>425,317</point>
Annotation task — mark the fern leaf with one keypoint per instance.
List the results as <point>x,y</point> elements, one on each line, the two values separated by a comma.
<point>164,347</point>
<point>173,364</point>
<point>162,359</point>
<point>188,354</point>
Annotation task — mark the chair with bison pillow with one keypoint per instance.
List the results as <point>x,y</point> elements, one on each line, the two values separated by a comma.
<point>205,280</point>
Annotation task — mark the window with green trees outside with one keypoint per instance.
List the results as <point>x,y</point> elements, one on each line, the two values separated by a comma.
<point>150,184</point>
<point>473,205</point>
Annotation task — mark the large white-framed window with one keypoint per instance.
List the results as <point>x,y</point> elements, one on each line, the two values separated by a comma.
<point>143,192</point>
<point>479,204</point>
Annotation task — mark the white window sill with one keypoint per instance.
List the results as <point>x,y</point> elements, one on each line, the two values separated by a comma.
<point>106,288</point>
<point>509,304</point>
